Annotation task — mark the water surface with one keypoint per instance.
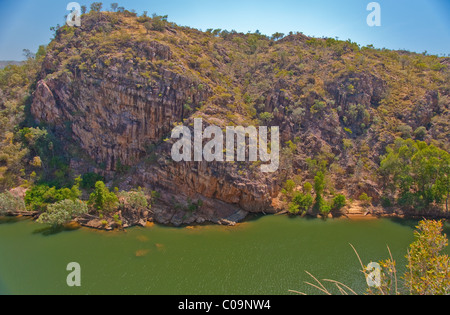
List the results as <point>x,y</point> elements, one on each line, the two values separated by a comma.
<point>268,255</point>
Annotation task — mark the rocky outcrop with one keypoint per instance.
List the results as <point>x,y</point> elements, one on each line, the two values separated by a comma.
<point>116,117</point>
<point>117,89</point>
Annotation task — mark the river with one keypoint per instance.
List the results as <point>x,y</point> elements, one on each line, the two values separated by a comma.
<point>266,255</point>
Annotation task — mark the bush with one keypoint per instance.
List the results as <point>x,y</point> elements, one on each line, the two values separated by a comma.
<point>303,201</point>
<point>159,22</point>
<point>63,212</point>
<point>339,202</point>
<point>102,199</point>
<point>307,188</point>
<point>420,133</point>
<point>266,118</point>
<point>419,172</point>
<point>133,199</point>
<point>323,206</point>
<point>293,208</point>
<point>9,202</point>
<point>89,180</point>
<point>366,200</point>
<point>428,267</point>
<point>289,186</point>
<point>39,197</point>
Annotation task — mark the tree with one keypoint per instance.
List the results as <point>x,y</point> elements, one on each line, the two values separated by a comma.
<point>420,133</point>
<point>39,197</point>
<point>307,188</point>
<point>320,205</point>
<point>96,6</point>
<point>148,26</point>
<point>114,6</point>
<point>159,22</point>
<point>63,212</point>
<point>266,118</point>
<point>338,202</point>
<point>10,202</point>
<point>28,54</point>
<point>293,208</point>
<point>277,36</point>
<point>303,201</point>
<point>418,172</point>
<point>90,179</point>
<point>428,269</point>
<point>83,9</point>
<point>102,199</point>
<point>136,200</point>
<point>289,186</point>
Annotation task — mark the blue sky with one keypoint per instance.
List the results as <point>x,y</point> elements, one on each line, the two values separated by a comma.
<point>415,25</point>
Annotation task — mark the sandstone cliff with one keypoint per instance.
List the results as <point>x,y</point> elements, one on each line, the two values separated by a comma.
<point>118,89</point>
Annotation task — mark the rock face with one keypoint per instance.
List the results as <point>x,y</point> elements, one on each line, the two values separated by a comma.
<point>115,117</point>
<point>112,119</point>
<point>117,89</point>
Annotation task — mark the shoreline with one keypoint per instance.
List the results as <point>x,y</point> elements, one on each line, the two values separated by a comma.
<point>75,224</point>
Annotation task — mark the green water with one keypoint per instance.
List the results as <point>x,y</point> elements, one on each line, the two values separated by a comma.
<point>268,255</point>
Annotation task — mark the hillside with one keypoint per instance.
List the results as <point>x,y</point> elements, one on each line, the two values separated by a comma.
<point>4,63</point>
<point>108,94</point>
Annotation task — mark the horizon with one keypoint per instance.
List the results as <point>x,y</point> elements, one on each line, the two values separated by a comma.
<point>415,25</point>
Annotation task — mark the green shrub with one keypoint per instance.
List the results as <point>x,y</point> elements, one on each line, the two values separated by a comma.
<point>39,197</point>
<point>89,180</point>
<point>420,133</point>
<point>266,118</point>
<point>289,186</point>
<point>366,200</point>
<point>9,202</point>
<point>428,266</point>
<point>63,212</point>
<point>134,200</point>
<point>339,202</point>
<point>293,208</point>
<point>102,199</point>
<point>418,172</point>
<point>303,201</point>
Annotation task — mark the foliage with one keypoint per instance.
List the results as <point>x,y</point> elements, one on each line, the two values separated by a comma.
<point>303,201</point>
<point>15,90</point>
<point>427,272</point>
<point>114,6</point>
<point>159,22</point>
<point>10,202</point>
<point>89,180</point>
<point>366,200</point>
<point>293,208</point>
<point>134,199</point>
<point>63,212</point>
<point>319,186</point>
<point>419,172</point>
<point>266,118</point>
<point>338,202</point>
<point>39,197</point>
<point>289,186</point>
<point>428,268</point>
<point>96,6</point>
<point>194,206</point>
<point>307,188</point>
<point>102,199</point>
